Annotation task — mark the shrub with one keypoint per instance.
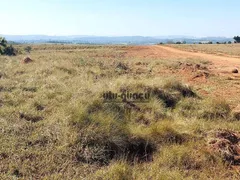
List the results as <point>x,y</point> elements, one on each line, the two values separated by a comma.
<point>28,49</point>
<point>10,51</point>
<point>6,49</point>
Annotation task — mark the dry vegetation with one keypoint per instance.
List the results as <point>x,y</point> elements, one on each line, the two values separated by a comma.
<point>218,49</point>
<point>55,125</point>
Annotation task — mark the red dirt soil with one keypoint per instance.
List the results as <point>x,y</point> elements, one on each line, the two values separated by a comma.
<point>219,66</point>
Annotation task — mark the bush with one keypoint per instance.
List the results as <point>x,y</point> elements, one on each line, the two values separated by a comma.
<point>6,49</point>
<point>10,51</point>
<point>28,49</point>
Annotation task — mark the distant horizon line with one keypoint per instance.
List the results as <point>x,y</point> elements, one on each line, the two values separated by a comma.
<point>156,36</point>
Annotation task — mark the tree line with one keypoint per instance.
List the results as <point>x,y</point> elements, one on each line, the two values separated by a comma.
<point>236,40</point>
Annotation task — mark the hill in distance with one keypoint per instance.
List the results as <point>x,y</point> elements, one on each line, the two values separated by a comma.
<point>85,39</point>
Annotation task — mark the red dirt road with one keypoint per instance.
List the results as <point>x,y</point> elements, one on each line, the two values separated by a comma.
<point>216,60</point>
<point>226,85</point>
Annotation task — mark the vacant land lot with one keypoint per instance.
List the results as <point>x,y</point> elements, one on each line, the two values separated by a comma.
<point>54,123</point>
<point>218,49</point>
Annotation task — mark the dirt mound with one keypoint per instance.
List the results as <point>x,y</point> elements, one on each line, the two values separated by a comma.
<point>235,71</point>
<point>27,60</point>
<point>227,143</point>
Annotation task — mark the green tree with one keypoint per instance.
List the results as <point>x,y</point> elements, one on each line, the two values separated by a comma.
<point>6,49</point>
<point>237,39</point>
<point>3,42</point>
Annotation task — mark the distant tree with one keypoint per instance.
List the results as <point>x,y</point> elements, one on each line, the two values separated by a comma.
<point>218,43</point>
<point>210,42</point>
<point>237,39</point>
<point>28,49</point>
<point>178,42</point>
<point>3,42</point>
<point>229,42</point>
<point>200,43</point>
<point>6,49</point>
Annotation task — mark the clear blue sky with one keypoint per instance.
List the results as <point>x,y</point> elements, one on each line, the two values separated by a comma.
<point>121,17</point>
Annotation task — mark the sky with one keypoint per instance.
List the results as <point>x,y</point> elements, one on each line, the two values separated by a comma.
<point>199,18</point>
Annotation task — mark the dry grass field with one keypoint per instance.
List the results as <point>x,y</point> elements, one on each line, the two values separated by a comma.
<point>218,49</point>
<point>54,123</point>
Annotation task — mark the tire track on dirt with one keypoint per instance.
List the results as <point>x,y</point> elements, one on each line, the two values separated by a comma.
<point>216,60</point>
